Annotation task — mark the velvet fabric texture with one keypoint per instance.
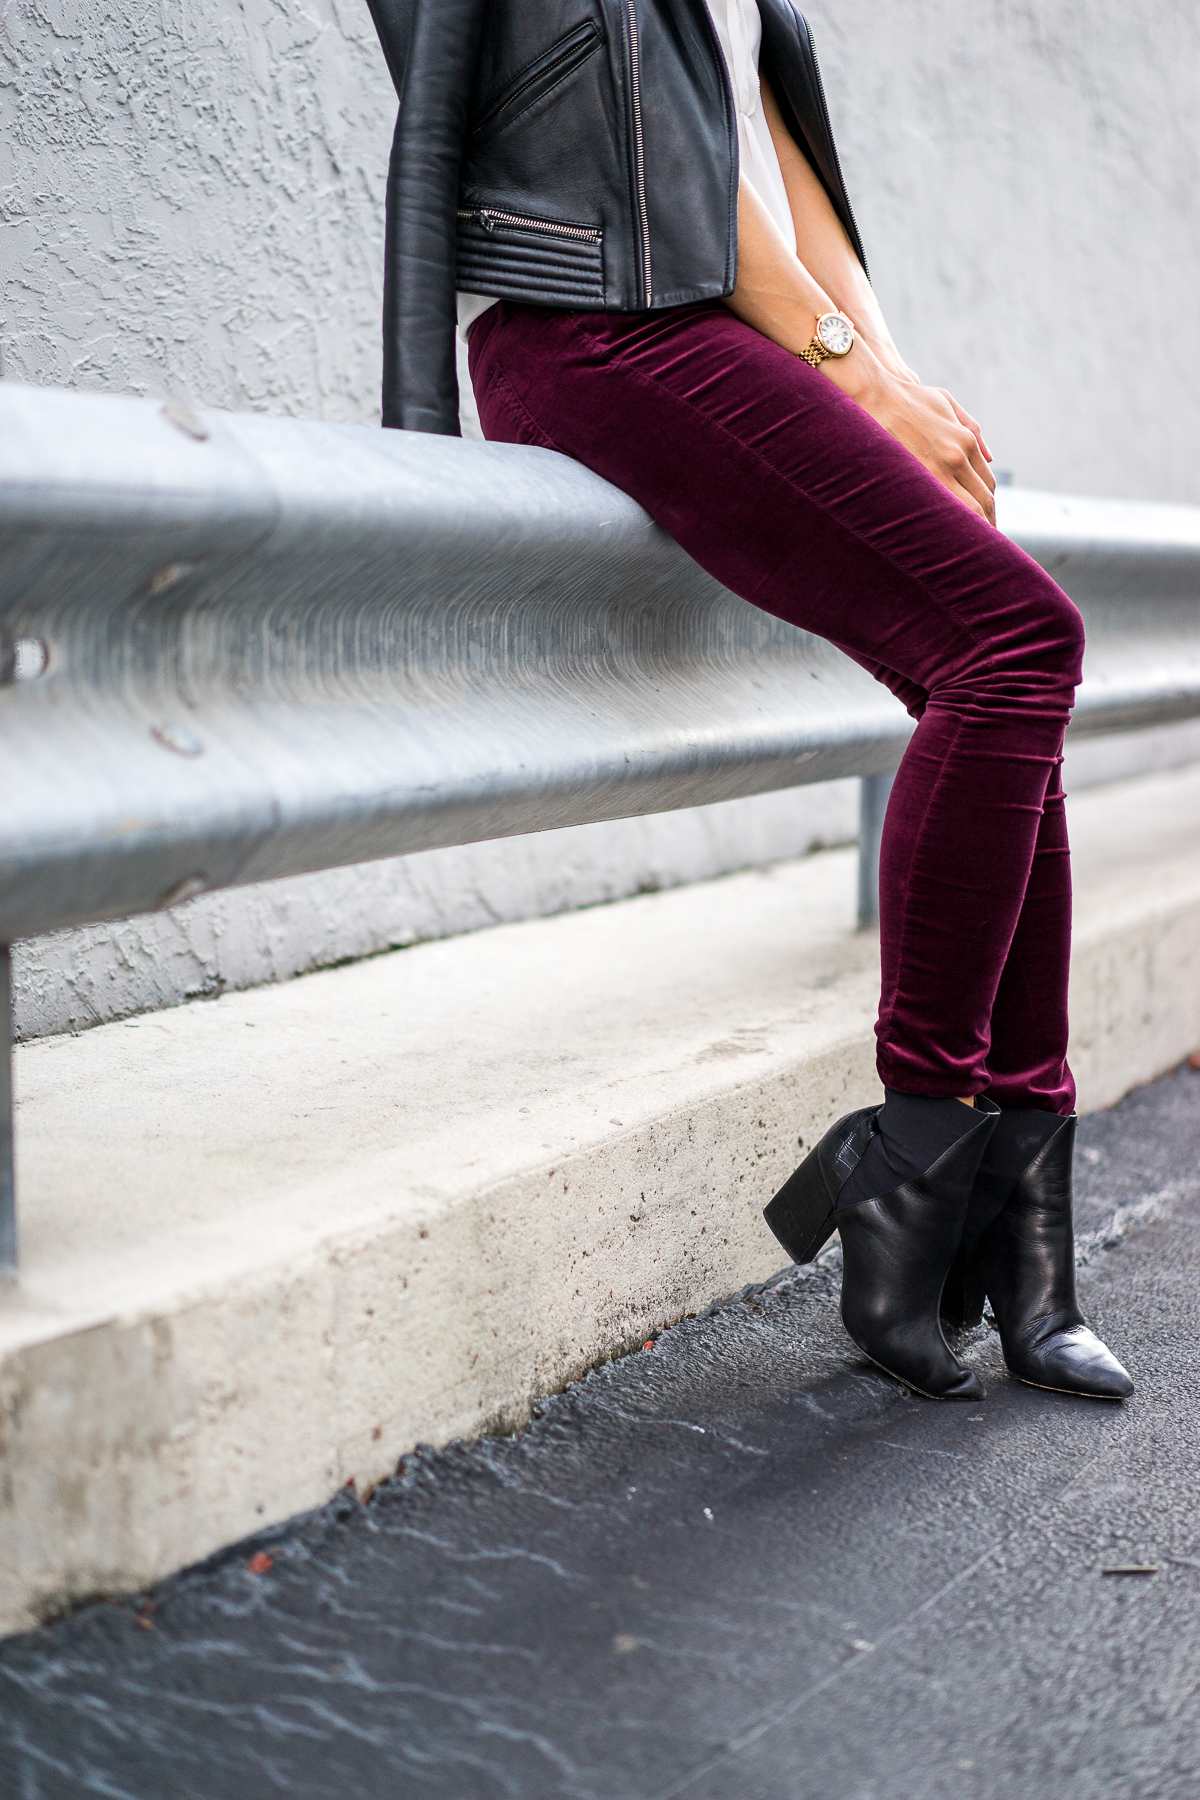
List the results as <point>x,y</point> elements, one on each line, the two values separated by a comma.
<point>793,497</point>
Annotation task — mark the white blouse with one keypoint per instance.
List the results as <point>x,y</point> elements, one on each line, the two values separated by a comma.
<point>739,32</point>
<point>739,29</point>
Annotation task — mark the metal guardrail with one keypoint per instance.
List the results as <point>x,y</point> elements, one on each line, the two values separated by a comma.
<point>234,648</point>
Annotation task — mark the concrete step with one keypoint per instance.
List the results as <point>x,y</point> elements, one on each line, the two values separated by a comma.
<point>271,1241</point>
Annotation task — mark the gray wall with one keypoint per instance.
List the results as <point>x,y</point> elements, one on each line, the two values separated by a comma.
<point>1026,176</point>
<point>243,936</point>
<point>191,199</point>
<point>191,202</point>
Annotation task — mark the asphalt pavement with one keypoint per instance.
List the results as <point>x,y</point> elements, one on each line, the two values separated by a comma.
<point>738,1565</point>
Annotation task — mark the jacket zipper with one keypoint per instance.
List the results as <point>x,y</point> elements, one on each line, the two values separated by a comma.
<point>489,218</point>
<point>837,161</point>
<point>734,148</point>
<point>639,149</point>
<point>580,46</point>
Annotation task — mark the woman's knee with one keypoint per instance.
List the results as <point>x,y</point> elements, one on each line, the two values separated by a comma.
<point>1064,630</point>
<point>1028,646</point>
<point>1050,637</point>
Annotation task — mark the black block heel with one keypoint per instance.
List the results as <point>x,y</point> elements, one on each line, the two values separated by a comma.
<point>801,1215</point>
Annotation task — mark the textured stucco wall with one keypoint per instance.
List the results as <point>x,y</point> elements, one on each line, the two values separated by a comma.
<point>1026,175</point>
<point>191,201</point>
<point>242,936</point>
<point>191,198</point>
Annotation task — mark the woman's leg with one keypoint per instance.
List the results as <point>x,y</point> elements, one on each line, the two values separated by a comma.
<point>1027,1060</point>
<point>797,500</point>
<point>1018,1244</point>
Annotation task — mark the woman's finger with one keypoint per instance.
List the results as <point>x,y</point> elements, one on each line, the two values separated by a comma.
<point>987,513</point>
<point>965,418</point>
<point>967,467</point>
<point>980,467</point>
<point>972,484</point>
<point>974,455</point>
<point>954,469</point>
<point>972,425</point>
<point>968,500</point>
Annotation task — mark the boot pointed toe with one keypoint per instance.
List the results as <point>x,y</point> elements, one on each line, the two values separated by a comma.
<point>957,1383</point>
<point>913,1351</point>
<point>1073,1361</point>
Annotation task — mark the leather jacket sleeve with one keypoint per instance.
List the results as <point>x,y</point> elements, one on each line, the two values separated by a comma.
<point>800,93</point>
<point>431,48</point>
<point>566,153</point>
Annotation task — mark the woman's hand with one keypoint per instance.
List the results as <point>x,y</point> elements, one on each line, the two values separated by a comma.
<point>776,294</point>
<point>972,425</point>
<point>927,421</point>
<point>886,352</point>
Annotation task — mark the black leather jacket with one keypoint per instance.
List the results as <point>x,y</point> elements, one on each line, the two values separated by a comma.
<point>567,153</point>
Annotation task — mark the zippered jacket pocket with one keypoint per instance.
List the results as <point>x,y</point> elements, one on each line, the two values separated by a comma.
<point>536,80</point>
<point>515,256</point>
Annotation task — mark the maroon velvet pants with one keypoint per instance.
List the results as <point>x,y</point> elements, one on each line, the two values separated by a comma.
<point>793,497</point>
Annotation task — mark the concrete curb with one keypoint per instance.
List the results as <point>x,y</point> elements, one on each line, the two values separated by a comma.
<point>251,1277</point>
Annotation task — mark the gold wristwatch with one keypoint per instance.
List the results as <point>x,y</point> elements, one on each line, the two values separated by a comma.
<point>835,337</point>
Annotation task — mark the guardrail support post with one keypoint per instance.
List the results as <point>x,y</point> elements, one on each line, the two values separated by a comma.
<point>8,1186</point>
<point>872,804</point>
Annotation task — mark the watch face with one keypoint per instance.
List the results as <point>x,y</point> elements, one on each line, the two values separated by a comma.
<point>835,333</point>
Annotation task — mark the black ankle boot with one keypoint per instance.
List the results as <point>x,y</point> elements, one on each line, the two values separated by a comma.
<point>896,1247</point>
<point>1018,1249</point>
